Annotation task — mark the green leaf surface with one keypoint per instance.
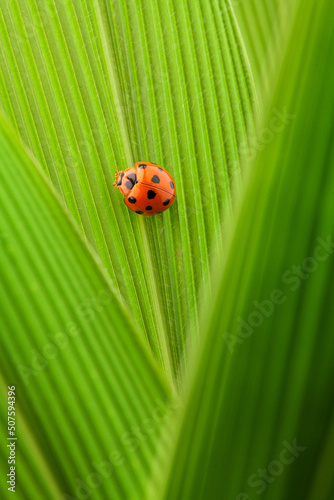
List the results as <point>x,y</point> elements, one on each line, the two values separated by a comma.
<point>92,86</point>
<point>226,297</point>
<point>259,413</point>
<point>87,389</point>
<point>265,26</point>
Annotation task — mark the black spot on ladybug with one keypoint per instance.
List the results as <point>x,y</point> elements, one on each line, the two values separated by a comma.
<point>132,178</point>
<point>171,184</point>
<point>159,168</point>
<point>139,212</point>
<point>151,194</point>
<point>148,208</point>
<point>142,165</point>
<point>129,184</point>
<point>155,179</point>
<point>132,199</point>
<point>166,202</point>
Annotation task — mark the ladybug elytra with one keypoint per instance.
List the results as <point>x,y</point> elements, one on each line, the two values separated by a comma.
<point>148,188</point>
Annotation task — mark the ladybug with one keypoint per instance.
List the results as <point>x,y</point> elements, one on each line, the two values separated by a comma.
<point>148,188</point>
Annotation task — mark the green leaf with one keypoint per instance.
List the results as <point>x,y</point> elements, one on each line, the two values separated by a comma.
<point>265,26</point>
<point>259,412</point>
<point>95,85</point>
<point>89,290</point>
<point>87,389</point>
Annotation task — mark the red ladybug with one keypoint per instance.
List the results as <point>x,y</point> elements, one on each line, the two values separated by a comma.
<point>148,188</point>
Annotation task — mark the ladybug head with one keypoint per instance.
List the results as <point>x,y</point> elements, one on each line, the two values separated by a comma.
<point>118,179</point>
